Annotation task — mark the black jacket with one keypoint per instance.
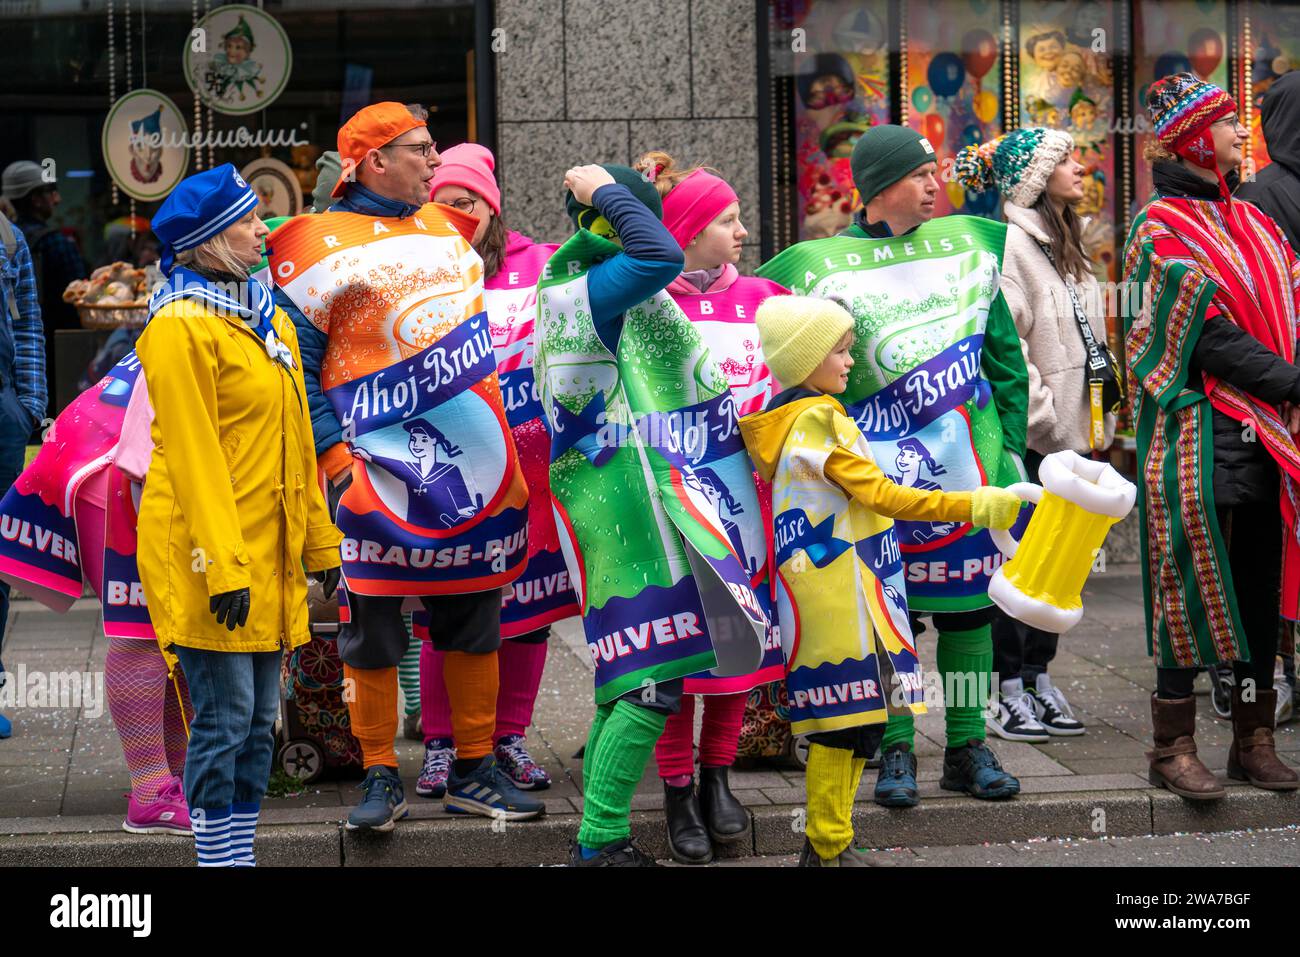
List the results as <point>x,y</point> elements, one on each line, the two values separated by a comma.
<point>1244,471</point>
<point>1276,189</point>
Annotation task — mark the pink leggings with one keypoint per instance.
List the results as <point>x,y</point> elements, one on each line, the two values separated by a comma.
<point>142,701</point>
<point>719,734</point>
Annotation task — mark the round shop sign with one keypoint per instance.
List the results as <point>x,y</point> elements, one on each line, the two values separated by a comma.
<point>237,60</point>
<point>145,144</point>
<point>275,185</point>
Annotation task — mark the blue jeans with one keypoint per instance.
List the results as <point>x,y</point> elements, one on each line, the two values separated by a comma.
<point>236,698</point>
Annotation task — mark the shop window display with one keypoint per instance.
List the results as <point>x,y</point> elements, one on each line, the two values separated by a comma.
<point>1274,40</point>
<point>953,90</point>
<point>1170,38</point>
<point>842,89</point>
<point>1067,82</point>
<point>963,71</point>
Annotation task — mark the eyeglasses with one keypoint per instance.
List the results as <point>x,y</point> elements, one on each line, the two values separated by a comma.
<point>464,204</point>
<point>424,148</point>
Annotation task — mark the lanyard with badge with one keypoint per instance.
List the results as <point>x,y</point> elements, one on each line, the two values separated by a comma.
<point>1105,383</point>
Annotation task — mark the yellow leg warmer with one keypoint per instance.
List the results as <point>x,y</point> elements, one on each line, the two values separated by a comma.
<point>832,781</point>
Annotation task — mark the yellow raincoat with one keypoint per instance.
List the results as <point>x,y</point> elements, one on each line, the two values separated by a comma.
<point>231,500</point>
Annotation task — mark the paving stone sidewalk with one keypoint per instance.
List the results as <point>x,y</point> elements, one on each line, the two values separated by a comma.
<point>62,772</point>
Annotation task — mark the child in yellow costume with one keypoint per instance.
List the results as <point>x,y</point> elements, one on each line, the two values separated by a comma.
<point>841,597</point>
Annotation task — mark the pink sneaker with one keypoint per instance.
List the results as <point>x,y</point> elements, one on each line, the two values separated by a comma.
<point>166,815</point>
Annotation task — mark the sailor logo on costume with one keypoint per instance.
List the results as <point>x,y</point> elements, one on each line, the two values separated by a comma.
<point>426,479</point>
<point>917,391</point>
<point>543,594</point>
<point>437,504</point>
<point>647,471</point>
<point>245,63</point>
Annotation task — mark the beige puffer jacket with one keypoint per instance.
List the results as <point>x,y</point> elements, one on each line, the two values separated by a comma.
<point>1049,336</point>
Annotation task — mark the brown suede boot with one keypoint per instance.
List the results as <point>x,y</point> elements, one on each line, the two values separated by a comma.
<point>1174,764</point>
<point>1252,756</point>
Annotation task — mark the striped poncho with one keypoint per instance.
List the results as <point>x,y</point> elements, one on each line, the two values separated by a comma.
<point>1198,259</point>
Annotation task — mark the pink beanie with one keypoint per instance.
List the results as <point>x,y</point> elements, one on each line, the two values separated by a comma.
<point>694,203</point>
<point>468,165</point>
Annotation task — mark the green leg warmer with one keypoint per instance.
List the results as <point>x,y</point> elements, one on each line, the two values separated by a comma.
<point>965,659</point>
<point>616,757</point>
<point>603,711</point>
<point>899,729</point>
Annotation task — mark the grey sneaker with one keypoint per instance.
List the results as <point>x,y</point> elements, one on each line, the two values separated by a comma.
<point>384,804</point>
<point>849,857</point>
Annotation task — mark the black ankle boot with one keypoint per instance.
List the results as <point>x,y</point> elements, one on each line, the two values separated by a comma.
<point>727,819</point>
<point>688,840</point>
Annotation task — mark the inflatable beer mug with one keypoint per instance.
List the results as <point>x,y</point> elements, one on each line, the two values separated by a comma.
<point>1042,582</point>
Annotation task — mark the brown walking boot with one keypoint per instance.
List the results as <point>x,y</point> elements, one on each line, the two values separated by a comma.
<point>1174,764</point>
<point>1252,756</point>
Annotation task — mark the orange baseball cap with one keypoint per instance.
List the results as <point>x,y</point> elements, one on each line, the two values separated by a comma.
<point>369,129</point>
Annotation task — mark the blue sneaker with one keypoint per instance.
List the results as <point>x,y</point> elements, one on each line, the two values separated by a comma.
<point>975,770</point>
<point>6,728</point>
<point>488,791</point>
<point>384,804</point>
<point>896,783</point>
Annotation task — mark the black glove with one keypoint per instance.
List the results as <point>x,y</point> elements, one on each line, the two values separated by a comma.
<point>231,608</point>
<point>329,580</point>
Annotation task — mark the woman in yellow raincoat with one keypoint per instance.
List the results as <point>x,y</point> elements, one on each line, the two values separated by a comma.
<point>231,514</point>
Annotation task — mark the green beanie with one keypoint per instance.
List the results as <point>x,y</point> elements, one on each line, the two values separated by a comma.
<point>584,216</point>
<point>885,154</point>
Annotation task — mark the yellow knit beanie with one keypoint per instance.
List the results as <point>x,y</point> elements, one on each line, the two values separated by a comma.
<point>798,332</point>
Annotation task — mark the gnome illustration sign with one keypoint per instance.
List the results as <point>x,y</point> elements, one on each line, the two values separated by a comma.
<point>238,59</point>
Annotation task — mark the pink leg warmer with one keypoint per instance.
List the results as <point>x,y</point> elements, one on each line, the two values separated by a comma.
<point>521,666</point>
<point>720,729</point>
<point>435,706</point>
<point>674,752</point>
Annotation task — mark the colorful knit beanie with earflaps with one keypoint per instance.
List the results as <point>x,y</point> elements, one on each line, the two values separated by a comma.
<point>588,217</point>
<point>1018,164</point>
<point>1183,109</point>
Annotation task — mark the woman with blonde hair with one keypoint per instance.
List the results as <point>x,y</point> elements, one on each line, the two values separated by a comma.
<point>231,520</point>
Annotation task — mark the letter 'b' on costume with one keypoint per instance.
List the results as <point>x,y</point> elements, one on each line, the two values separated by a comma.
<point>1042,583</point>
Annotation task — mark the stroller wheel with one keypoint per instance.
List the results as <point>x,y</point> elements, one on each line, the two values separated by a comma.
<point>301,758</point>
<point>799,750</point>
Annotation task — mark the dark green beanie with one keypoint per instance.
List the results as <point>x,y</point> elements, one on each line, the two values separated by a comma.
<point>584,216</point>
<point>884,155</point>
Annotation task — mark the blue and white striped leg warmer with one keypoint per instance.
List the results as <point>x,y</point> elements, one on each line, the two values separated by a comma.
<point>243,828</point>
<point>212,835</point>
